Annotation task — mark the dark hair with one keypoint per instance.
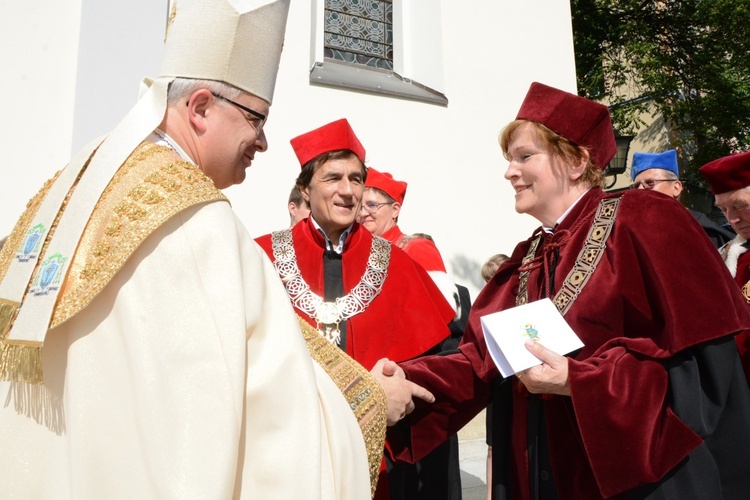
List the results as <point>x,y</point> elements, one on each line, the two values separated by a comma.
<point>567,150</point>
<point>306,175</point>
<point>295,196</point>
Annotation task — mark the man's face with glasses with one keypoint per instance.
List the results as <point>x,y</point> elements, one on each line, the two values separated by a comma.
<point>232,134</point>
<point>657,179</point>
<point>257,120</point>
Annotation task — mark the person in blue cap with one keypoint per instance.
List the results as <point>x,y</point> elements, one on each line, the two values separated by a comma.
<point>660,172</point>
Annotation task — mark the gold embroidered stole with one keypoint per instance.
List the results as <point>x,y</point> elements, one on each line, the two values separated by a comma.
<point>362,392</point>
<point>152,185</point>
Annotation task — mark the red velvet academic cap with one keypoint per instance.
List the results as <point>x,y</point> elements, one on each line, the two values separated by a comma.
<point>728,173</point>
<point>584,122</point>
<point>332,137</point>
<point>385,182</point>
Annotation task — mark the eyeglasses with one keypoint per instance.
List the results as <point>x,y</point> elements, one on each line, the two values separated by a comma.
<point>649,183</point>
<point>260,116</point>
<point>372,207</point>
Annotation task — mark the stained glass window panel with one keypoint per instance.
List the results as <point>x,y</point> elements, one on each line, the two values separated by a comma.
<point>360,32</point>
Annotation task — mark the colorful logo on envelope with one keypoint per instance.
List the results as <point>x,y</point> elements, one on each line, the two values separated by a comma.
<point>530,332</point>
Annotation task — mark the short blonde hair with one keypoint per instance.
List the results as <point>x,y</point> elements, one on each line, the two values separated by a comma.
<point>491,266</point>
<point>566,150</point>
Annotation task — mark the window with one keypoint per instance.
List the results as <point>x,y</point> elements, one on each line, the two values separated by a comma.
<point>372,45</point>
<point>359,32</point>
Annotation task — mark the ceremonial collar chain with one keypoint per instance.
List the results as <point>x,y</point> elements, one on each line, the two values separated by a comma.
<point>329,314</point>
<point>585,264</point>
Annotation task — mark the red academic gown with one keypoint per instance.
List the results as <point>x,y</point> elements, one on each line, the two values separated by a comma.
<point>410,315</point>
<point>422,250</point>
<point>658,380</point>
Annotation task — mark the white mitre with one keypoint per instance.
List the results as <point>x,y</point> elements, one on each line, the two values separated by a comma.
<point>237,42</point>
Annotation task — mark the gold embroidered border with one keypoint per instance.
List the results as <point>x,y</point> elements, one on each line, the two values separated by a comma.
<point>151,187</point>
<point>22,226</point>
<point>586,262</point>
<point>364,394</point>
<point>591,254</point>
<point>745,292</point>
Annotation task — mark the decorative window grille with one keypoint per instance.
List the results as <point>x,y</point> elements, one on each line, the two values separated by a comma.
<point>359,32</point>
<point>391,47</point>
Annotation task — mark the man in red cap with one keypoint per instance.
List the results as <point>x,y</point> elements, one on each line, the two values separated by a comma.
<point>729,178</point>
<point>364,294</point>
<point>655,404</point>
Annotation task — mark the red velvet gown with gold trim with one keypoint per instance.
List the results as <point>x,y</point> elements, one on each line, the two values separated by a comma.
<point>659,404</point>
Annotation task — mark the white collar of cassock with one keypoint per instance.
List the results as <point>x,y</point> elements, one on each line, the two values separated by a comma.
<point>162,139</point>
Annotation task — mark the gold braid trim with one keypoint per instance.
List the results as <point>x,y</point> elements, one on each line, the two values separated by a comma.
<point>746,291</point>
<point>364,394</point>
<point>152,186</point>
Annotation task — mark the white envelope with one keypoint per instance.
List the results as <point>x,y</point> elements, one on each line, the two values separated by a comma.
<point>507,331</point>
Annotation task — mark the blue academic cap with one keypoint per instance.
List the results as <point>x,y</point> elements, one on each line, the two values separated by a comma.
<point>644,161</point>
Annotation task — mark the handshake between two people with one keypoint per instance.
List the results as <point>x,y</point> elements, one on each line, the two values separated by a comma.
<point>399,391</point>
<point>549,377</point>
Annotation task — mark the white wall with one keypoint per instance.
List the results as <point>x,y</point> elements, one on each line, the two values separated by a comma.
<point>448,155</point>
<point>71,71</point>
<point>38,50</point>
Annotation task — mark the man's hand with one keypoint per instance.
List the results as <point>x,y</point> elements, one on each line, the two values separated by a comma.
<point>551,377</point>
<point>398,390</point>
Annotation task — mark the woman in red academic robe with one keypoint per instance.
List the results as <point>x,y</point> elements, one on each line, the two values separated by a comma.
<point>655,405</point>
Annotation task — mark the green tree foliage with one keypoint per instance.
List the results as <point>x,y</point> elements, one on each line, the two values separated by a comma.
<point>689,59</point>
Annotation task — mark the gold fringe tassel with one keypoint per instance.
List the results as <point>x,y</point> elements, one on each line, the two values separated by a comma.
<point>21,362</point>
<point>8,312</point>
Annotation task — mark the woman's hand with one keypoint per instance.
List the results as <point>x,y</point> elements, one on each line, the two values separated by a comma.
<point>551,377</point>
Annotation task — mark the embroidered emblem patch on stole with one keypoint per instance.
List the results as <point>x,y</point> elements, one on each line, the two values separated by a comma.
<point>49,275</point>
<point>30,245</point>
